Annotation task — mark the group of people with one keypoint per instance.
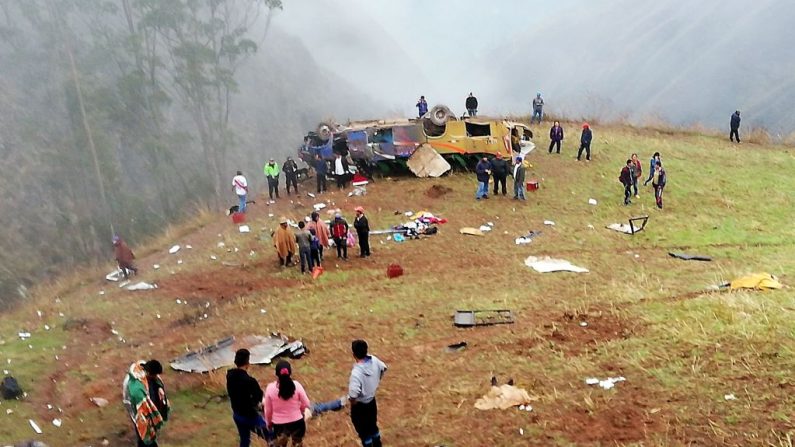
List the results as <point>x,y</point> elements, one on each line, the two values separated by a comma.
<point>312,237</point>
<point>278,415</point>
<point>632,172</point>
<point>556,136</point>
<point>340,171</point>
<point>471,106</point>
<point>498,169</point>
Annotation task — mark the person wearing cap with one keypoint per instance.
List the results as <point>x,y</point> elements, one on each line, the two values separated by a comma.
<point>482,173</point>
<point>585,142</point>
<point>538,106</point>
<point>284,241</point>
<point>362,227</point>
<point>472,105</point>
<point>240,185</point>
<point>245,396</point>
<point>555,137</point>
<point>518,179</point>
<point>124,256</point>
<point>365,378</point>
<point>290,169</point>
<point>339,231</point>
<point>499,170</point>
<point>272,173</point>
<point>284,402</point>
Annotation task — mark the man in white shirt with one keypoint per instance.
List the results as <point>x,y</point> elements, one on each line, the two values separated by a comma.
<point>240,185</point>
<point>340,171</point>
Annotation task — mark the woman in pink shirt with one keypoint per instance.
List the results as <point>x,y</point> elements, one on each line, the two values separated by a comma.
<point>285,401</point>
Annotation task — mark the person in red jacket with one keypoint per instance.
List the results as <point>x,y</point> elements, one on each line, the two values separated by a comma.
<point>339,231</point>
<point>626,179</point>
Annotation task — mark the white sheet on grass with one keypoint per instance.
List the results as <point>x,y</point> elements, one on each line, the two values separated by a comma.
<point>547,265</point>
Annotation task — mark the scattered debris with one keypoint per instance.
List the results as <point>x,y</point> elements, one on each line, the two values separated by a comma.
<point>503,397</point>
<point>394,270</point>
<point>606,384</point>
<point>24,335</point>
<point>635,225</point>
<point>10,388</point>
<point>591,227</point>
<point>213,257</point>
<point>221,354</point>
<point>549,222</point>
<point>399,237</point>
<point>436,191</point>
<point>526,408</point>
<point>34,426</point>
<point>756,281</point>
<point>592,201</point>
<point>485,228</point>
<point>687,257</point>
<point>470,318</point>
<point>101,292</point>
<point>220,245</point>
<point>527,238</point>
<point>56,422</point>
<point>141,286</point>
<point>179,261</point>
<point>99,401</point>
<point>547,265</point>
<point>426,162</point>
<point>189,247</point>
<point>471,231</point>
<point>729,397</point>
<point>455,347</point>
<point>156,266</point>
<point>244,229</point>
<point>115,275</point>
<point>310,195</point>
<point>358,192</point>
<point>319,206</point>
<point>174,249</point>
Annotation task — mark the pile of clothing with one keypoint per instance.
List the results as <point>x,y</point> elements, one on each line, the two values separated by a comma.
<point>421,223</point>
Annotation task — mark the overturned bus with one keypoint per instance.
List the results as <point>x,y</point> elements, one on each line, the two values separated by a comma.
<point>387,145</point>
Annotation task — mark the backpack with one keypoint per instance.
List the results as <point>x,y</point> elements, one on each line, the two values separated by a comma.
<point>10,388</point>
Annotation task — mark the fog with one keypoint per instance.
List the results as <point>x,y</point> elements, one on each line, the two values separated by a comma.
<point>641,60</point>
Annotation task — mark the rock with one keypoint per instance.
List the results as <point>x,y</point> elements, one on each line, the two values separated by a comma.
<point>99,401</point>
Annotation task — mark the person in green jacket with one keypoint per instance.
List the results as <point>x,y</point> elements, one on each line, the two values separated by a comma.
<point>272,173</point>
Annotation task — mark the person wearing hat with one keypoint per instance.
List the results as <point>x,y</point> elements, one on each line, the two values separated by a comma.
<point>124,256</point>
<point>339,231</point>
<point>585,142</point>
<point>362,227</point>
<point>482,173</point>
<point>290,169</point>
<point>538,106</point>
<point>284,241</point>
<point>499,170</point>
<point>285,402</point>
<point>272,173</point>
<point>518,179</point>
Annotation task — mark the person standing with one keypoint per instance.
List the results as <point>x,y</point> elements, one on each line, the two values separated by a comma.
<point>499,171</point>
<point>626,179</point>
<point>518,179</point>
<point>284,241</point>
<point>245,396</point>
<point>422,107</point>
<point>538,108</point>
<point>366,375</point>
<point>638,174</point>
<point>240,185</point>
<point>735,127</point>
<point>290,169</point>
<point>124,257</point>
<point>304,240</point>
<point>341,171</point>
<point>272,174</point>
<point>157,389</point>
<point>555,136</point>
<point>321,232</point>
<point>339,230</point>
<point>284,402</point>
<point>585,142</point>
<point>472,105</point>
<point>315,249</point>
<point>321,169</point>
<point>141,406</point>
<point>659,180</point>
<point>483,172</point>
<point>652,164</point>
<point>362,227</point>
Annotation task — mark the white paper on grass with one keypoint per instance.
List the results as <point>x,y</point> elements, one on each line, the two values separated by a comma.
<point>592,201</point>
<point>621,228</point>
<point>485,228</point>
<point>34,426</point>
<point>549,222</point>
<point>547,265</point>
<point>141,286</point>
<point>523,240</point>
<point>244,229</point>
<point>319,206</point>
<point>174,249</point>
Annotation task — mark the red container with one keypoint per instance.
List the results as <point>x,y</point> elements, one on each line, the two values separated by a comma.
<point>532,185</point>
<point>238,218</point>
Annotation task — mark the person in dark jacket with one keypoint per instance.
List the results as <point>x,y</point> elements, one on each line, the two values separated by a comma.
<point>472,105</point>
<point>518,179</point>
<point>483,172</point>
<point>638,173</point>
<point>735,127</point>
<point>626,179</point>
<point>499,170</point>
<point>339,231</point>
<point>321,168</point>
<point>659,179</point>
<point>245,395</point>
<point>585,142</point>
<point>652,163</point>
<point>157,390</point>
<point>555,136</point>
<point>290,169</point>
<point>362,227</point>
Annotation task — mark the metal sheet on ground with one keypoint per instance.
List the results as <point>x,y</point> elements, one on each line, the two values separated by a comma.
<point>426,162</point>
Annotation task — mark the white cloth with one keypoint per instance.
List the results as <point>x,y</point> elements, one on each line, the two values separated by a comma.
<point>516,168</point>
<point>338,169</point>
<point>240,184</point>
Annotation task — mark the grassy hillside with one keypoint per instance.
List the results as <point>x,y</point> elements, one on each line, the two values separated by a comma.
<point>680,350</point>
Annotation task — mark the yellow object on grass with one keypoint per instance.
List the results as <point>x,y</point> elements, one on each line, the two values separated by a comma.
<point>760,281</point>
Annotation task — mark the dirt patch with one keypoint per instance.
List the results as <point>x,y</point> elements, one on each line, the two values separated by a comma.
<point>230,283</point>
<point>437,191</point>
<point>576,333</point>
<point>97,329</point>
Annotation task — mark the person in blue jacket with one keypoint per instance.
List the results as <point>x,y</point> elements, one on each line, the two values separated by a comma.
<point>422,106</point>
<point>652,164</point>
<point>321,168</point>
